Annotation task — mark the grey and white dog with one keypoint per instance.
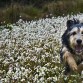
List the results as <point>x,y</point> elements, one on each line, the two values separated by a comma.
<point>72,46</point>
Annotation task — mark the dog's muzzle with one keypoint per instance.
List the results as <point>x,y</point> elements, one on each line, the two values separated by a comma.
<point>79,47</point>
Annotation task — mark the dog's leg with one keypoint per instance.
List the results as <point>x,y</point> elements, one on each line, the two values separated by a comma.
<point>80,67</point>
<point>68,58</point>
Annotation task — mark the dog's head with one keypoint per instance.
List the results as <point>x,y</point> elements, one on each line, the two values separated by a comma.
<point>73,36</point>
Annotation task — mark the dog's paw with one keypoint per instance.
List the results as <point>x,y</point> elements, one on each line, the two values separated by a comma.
<point>73,66</point>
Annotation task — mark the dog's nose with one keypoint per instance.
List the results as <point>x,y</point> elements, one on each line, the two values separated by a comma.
<point>79,41</point>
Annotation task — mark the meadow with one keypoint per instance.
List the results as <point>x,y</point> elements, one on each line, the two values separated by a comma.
<point>30,51</point>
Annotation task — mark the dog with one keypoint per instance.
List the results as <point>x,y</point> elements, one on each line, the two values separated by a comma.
<point>72,47</point>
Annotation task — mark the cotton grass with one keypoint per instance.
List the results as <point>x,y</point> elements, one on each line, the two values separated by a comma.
<point>30,52</point>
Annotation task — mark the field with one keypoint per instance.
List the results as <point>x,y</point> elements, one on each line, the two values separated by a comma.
<point>30,51</point>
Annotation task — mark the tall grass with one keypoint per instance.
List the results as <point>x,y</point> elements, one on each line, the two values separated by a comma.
<point>64,7</point>
<point>12,13</point>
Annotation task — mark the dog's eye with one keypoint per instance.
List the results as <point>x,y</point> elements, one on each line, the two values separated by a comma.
<point>74,33</point>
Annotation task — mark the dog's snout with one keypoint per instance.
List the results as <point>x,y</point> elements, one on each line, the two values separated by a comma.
<point>79,41</point>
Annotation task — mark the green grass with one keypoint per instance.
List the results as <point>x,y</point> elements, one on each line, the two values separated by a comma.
<point>11,14</point>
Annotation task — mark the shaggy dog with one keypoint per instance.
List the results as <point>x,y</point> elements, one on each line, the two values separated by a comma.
<point>72,47</point>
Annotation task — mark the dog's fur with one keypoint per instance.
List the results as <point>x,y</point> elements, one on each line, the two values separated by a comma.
<point>72,46</point>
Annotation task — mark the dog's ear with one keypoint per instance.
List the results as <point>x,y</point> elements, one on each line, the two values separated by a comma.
<point>72,22</point>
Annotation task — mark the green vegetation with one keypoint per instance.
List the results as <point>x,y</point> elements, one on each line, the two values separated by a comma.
<point>30,52</point>
<point>35,9</point>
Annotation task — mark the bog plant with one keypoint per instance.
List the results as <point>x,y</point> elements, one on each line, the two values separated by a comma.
<point>30,52</point>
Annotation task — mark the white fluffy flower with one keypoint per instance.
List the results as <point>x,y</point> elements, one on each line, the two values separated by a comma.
<point>32,48</point>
